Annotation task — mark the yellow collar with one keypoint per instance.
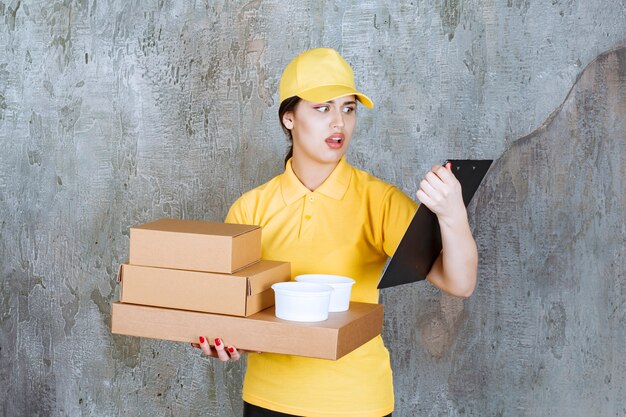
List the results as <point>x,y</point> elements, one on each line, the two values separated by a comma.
<point>335,186</point>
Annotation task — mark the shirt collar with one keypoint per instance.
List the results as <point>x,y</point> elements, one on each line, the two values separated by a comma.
<point>334,187</point>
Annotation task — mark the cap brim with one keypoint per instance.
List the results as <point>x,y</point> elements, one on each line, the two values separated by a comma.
<point>332,92</point>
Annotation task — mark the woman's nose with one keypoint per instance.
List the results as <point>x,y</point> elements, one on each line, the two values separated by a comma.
<point>337,120</point>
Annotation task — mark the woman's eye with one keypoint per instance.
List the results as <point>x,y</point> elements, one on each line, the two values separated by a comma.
<point>322,109</point>
<point>348,109</point>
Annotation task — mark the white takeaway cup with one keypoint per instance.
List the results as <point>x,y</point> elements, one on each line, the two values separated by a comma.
<point>342,288</point>
<point>302,301</point>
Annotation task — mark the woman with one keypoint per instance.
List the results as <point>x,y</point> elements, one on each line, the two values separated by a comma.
<point>325,216</point>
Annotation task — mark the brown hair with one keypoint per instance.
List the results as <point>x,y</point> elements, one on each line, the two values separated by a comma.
<point>288,104</point>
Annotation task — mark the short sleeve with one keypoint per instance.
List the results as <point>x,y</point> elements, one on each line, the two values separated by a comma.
<point>237,213</point>
<point>396,214</point>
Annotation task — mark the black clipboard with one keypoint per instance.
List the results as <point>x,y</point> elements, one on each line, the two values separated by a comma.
<point>421,244</point>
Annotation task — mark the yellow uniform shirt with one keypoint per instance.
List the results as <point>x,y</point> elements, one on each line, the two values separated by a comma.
<point>347,226</point>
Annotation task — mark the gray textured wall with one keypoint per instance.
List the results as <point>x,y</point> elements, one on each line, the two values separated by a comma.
<point>114,113</point>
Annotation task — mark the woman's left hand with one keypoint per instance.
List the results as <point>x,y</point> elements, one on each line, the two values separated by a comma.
<point>455,269</point>
<point>441,192</point>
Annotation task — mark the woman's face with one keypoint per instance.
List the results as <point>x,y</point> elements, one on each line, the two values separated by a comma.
<point>321,132</point>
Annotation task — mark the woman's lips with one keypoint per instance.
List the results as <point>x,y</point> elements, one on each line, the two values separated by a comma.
<point>335,141</point>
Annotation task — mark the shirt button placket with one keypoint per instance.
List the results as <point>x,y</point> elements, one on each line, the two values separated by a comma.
<point>309,205</point>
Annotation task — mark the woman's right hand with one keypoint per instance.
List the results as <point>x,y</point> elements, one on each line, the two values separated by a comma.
<point>218,350</point>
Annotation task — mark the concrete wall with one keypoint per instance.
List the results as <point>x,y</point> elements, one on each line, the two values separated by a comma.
<point>114,113</point>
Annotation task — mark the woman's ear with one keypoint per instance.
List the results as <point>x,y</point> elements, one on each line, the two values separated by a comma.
<point>288,120</point>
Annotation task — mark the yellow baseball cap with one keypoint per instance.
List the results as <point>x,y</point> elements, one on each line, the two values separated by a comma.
<point>320,75</point>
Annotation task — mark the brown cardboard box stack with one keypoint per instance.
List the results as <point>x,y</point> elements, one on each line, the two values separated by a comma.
<point>190,278</point>
<point>200,266</point>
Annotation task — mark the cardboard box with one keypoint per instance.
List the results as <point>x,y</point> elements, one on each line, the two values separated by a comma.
<point>264,332</point>
<point>243,293</point>
<point>195,245</point>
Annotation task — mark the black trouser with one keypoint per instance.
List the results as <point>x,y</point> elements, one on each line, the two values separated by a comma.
<point>250,410</point>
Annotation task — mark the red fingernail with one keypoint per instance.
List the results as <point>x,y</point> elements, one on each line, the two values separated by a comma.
<point>201,339</point>
<point>449,165</point>
<point>218,342</point>
<point>231,349</point>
